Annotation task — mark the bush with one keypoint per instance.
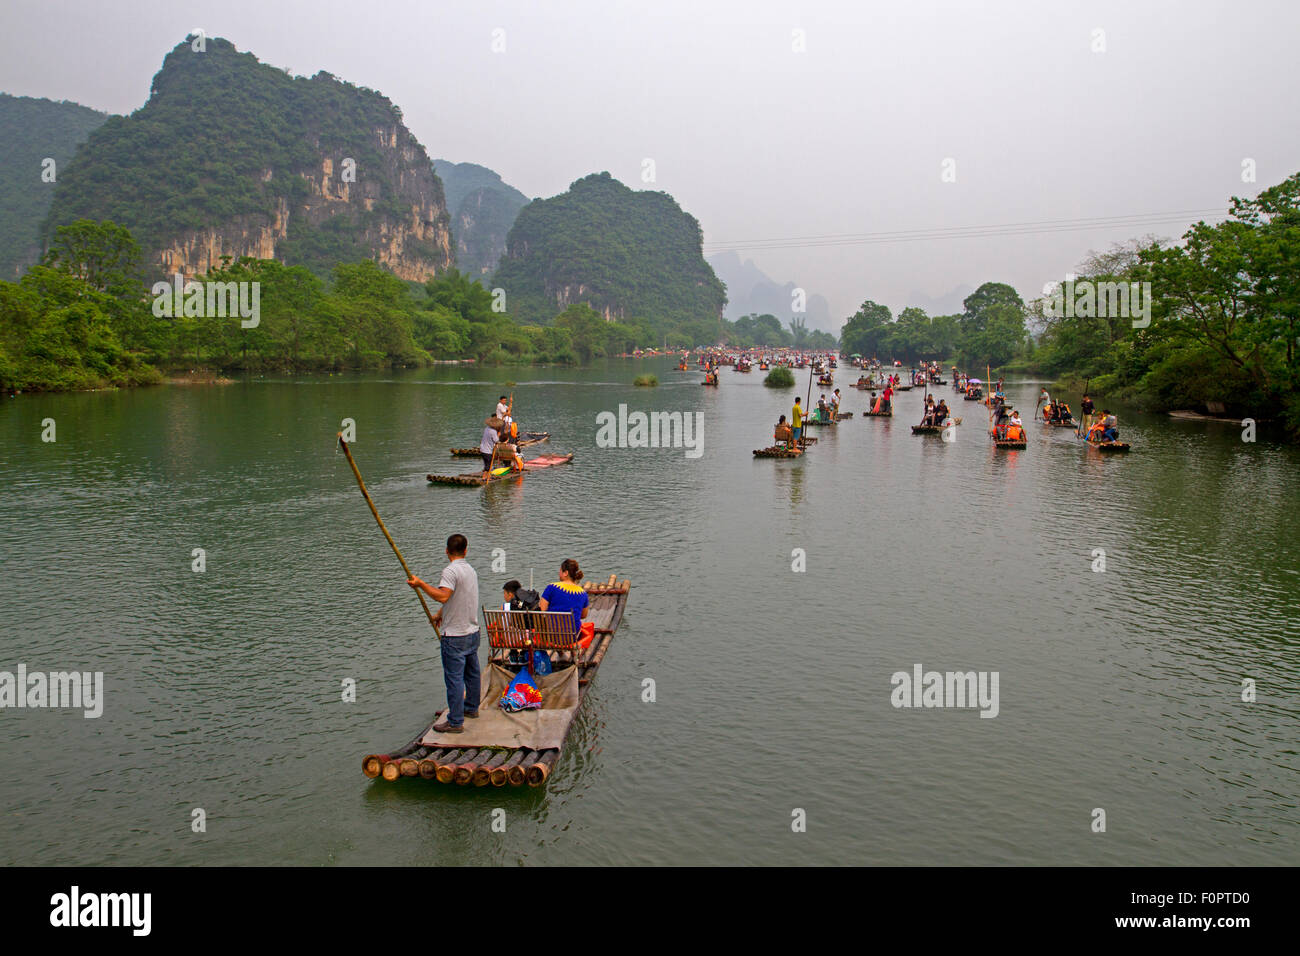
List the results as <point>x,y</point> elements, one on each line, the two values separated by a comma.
<point>646,380</point>
<point>779,377</point>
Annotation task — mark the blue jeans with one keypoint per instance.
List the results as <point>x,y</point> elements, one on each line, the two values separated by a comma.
<point>461,672</point>
<point>1110,434</point>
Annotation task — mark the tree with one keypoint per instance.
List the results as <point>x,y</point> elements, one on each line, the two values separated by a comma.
<point>866,329</point>
<point>587,330</point>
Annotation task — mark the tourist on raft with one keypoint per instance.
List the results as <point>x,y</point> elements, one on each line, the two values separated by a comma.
<point>567,594</point>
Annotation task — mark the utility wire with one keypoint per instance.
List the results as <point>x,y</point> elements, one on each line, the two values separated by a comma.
<point>1039,227</point>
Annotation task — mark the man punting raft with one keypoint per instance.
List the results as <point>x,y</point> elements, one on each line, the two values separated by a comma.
<point>711,378</point>
<point>508,723</point>
<point>499,449</point>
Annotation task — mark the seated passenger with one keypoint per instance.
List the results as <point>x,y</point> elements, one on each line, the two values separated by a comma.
<point>567,594</point>
<point>1110,426</point>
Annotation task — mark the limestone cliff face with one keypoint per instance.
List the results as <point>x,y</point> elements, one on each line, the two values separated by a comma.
<point>259,163</point>
<point>413,241</point>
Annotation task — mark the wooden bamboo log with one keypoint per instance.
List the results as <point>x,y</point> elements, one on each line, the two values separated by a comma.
<point>466,767</point>
<point>372,764</point>
<point>392,770</point>
<point>447,766</point>
<point>612,579</point>
<point>429,767</point>
<point>537,772</point>
<point>501,774</point>
<point>409,766</point>
<point>600,654</point>
<point>483,775</point>
<point>518,774</point>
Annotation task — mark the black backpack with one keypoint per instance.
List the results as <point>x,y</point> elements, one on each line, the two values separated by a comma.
<point>527,600</point>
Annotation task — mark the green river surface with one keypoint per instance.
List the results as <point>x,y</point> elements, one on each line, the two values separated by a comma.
<point>1119,690</point>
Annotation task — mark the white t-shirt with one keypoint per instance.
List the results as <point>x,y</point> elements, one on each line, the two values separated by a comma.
<point>502,410</point>
<point>460,611</point>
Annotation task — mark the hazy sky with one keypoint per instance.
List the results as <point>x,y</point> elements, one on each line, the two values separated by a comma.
<point>761,141</point>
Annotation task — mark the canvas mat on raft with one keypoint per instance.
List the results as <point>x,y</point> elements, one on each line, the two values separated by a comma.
<point>535,729</point>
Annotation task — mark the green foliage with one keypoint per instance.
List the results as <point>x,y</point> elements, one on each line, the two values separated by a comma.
<point>631,255</point>
<point>646,380</point>
<point>31,131</point>
<point>779,377</point>
<point>866,330</point>
<point>1224,319</point>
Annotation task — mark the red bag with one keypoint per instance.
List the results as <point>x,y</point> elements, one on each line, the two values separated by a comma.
<point>587,632</point>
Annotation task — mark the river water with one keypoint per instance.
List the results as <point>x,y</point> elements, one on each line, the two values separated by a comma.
<point>1119,690</point>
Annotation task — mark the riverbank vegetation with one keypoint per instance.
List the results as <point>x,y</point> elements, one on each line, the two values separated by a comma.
<point>1209,321</point>
<point>84,318</point>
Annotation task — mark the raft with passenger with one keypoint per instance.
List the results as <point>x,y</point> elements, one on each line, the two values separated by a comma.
<point>472,478</point>
<point>525,439</point>
<point>523,747</point>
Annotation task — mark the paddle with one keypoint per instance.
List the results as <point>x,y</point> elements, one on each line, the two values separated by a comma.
<point>384,528</point>
<point>1078,428</point>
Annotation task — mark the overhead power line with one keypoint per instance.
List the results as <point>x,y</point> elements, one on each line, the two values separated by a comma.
<point>1039,227</point>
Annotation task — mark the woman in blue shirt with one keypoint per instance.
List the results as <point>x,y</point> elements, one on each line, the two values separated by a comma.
<point>567,594</point>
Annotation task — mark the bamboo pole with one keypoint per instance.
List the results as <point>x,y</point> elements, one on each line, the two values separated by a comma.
<point>465,769</point>
<point>384,528</point>
<point>483,775</point>
<point>391,770</point>
<point>501,774</point>
<point>447,766</point>
<point>409,766</point>
<point>518,774</point>
<point>537,772</point>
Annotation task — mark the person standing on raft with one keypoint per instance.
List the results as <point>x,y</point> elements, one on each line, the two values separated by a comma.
<point>487,445</point>
<point>457,592</point>
<point>796,420</point>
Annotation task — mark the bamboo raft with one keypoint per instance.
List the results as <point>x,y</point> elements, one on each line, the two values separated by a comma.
<point>1070,424</point>
<point>1110,446</point>
<point>526,439</point>
<point>475,478</point>
<point>871,414</point>
<point>927,429</point>
<point>819,421</point>
<point>839,417</point>
<point>1007,445</point>
<point>776,451</point>
<point>499,766</point>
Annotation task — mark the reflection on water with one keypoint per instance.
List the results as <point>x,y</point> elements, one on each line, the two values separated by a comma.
<point>1120,689</point>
